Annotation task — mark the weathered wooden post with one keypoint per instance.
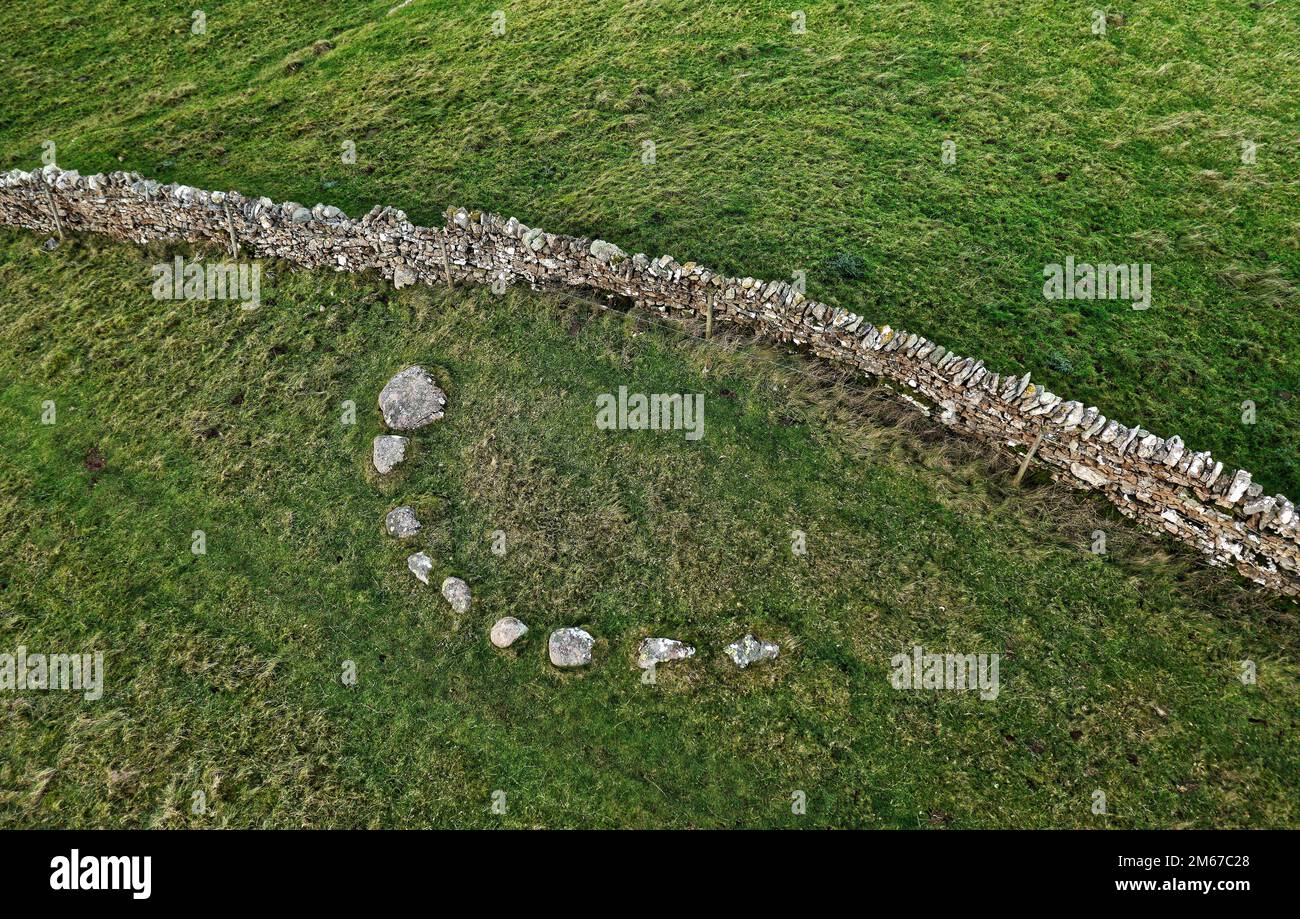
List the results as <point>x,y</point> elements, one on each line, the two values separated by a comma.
<point>1024,463</point>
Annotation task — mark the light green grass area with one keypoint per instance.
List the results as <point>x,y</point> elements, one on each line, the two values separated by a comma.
<point>774,152</point>
<point>1119,672</point>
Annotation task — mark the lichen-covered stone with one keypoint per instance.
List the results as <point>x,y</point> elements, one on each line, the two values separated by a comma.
<point>570,647</point>
<point>401,522</point>
<point>387,452</point>
<point>411,399</point>
<point>1238,485</point>
<point>606,252</point>
<point>1089,475</point>
<point>750,650</point>
<point>456,592</point>
<point>507,631</point>
<point>421,565</point>
<point>655,651</point>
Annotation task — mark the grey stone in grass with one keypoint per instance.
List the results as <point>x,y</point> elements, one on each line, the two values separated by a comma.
<point>401,522</point>
<point>507,631</point>
<point>662,650</point>
<point>420,565</point>
<point>411,400</point>
<point>570,647</point>
<point>749,650</point>
<point>389,450</point>
<point>456,592</point>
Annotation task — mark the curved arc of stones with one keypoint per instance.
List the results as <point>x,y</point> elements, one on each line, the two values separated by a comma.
<point>411,401</point>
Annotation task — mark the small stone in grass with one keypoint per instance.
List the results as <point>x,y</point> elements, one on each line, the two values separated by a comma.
<point>456,592</point>
<point>389,450</point>
<point>411,400</point>
<point>401,522</point>
<point>570,647</point>
<point>749,650</point>
<point>420,565</point>
<point>507,631</point>
<point>661,650</point>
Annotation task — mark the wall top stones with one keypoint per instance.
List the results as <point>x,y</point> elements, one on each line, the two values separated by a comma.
<point>1156,480</point>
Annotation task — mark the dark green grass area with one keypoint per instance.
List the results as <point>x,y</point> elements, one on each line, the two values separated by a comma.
<point>774,152</point>
<point>1119,672</point>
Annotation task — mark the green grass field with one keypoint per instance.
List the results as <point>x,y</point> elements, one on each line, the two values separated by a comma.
<point>223,670</point>
<point>774,152</point>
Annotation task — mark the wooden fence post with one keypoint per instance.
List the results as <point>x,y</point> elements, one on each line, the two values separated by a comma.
<point>230,225</point>
<point>1024,464</point>
<point>54,209</point>
<point>446,262</point>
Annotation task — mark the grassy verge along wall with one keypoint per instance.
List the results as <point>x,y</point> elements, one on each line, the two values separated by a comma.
<point>1154,480</point>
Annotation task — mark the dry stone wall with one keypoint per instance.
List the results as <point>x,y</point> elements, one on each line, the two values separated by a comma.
<point>1155,480</point>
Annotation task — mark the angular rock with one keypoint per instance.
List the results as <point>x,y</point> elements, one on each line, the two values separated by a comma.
<point>388,451</point>
<point>507,631</point>
<point>1148,445</point>
<point>1073,414</point>
<point>420,565</point>
<point>1238,486</point>
<point>456,592</point>
<point>1258,506</point>
<point>403,277</point>
<point>1088,474</point>
<point>749,650</point>
<point>570,647</point>
<point>606,252</point>
<point>1176,451</point>
<point>401,522</point>
<point>655,651</point>
<point>411,400</point>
